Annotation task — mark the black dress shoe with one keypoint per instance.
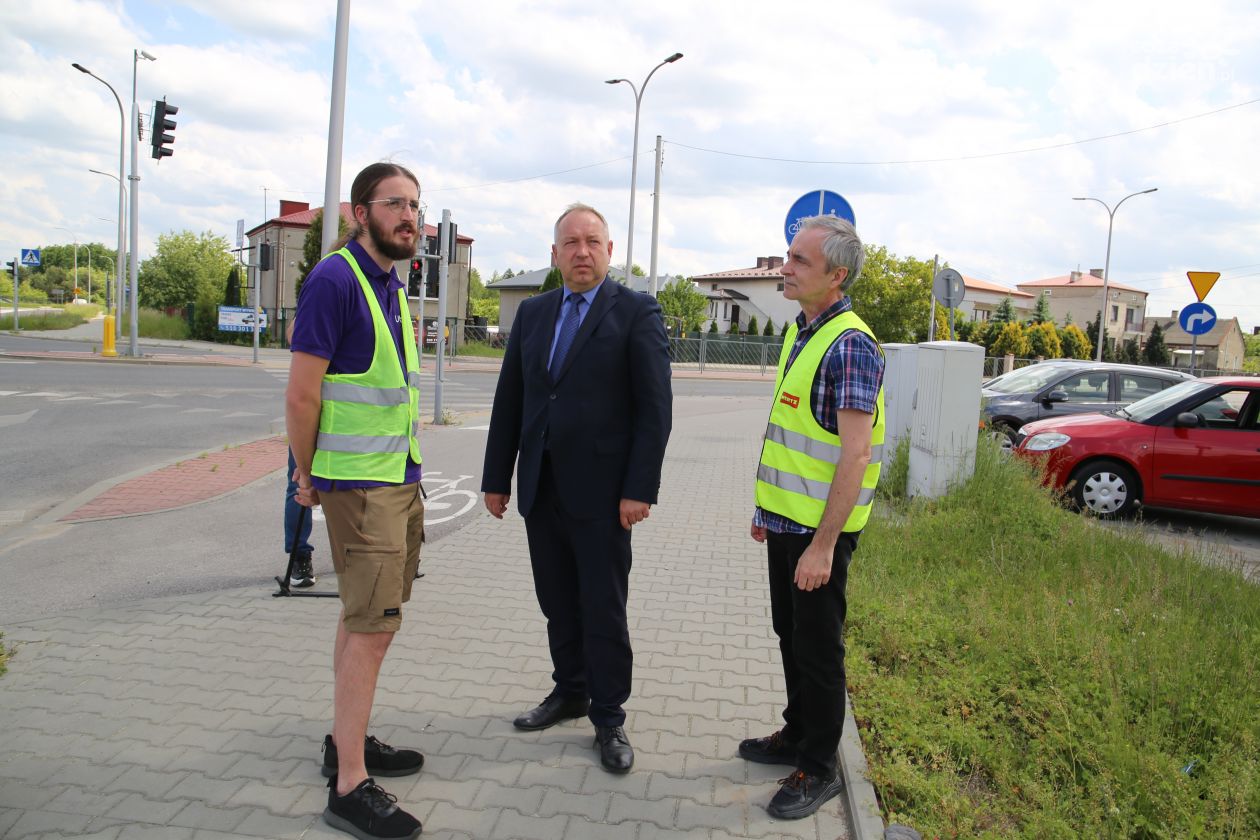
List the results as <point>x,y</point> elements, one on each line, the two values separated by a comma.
<point>615,753</point>
<point>551,711</point>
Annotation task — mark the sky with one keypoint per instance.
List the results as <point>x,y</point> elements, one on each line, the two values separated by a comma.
<point>962,130</point>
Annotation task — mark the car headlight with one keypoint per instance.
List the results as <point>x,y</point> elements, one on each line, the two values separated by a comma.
<point>1045,441</point>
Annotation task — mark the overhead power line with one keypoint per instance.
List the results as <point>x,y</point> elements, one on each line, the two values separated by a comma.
<point>980,156</point>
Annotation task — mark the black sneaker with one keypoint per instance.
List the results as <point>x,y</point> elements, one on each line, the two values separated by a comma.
<point>380,759</point>
<point>303,574</point>
<point>772,749</point>
<point>369,813</point>
<point>802,795</point>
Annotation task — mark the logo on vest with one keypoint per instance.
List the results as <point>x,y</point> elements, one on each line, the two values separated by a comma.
<point>790,400</point>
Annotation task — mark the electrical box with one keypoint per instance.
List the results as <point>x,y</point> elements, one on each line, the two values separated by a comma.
<point>900,381</point>
<point>946,418</point>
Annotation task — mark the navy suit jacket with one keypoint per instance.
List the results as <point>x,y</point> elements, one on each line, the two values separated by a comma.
<point>604,419</point>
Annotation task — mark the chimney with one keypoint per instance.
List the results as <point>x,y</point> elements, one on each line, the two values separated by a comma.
<point>287,208</point>
<point>775,262</point>
<point>763,262</point>
<point>1074,277</point>
<point>1096,272</point>
<point>1176,312</point>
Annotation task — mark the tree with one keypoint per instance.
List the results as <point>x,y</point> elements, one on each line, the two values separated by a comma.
<point>1074,343</point>
<point>1041,312</point>
<point>1044,340</point>
<point>1130,353</point>
<point>553,280</point>
<point>1156,351</point>
<point>769,330</point>
<point>892,295</point>
<point>185,266</point>
<point>965,330</point>
<point>713,326</point>
<point>482,302</point>
<point>733,329</point>
<point>507,275</point>
<point>785,328</point>
<point>1091,332</point>
<point>232,293</point>
<point>1011,340</point>
<point>753,327</point>
<point>313,247</point>
<point>681,299</point>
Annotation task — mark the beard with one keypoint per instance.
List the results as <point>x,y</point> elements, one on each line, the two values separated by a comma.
<point>383,239</point>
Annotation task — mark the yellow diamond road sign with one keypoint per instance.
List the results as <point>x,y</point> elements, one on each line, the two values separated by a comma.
<point>1202,281</point>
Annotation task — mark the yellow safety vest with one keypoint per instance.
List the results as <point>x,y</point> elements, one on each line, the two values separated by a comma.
<point>798,456</point>
<point>369,422</point>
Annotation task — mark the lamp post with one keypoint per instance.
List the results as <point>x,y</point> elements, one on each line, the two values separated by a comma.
<point>634,159</point>
<point>133,309</point>
<point>1111,218</point>
<point>122,143</point>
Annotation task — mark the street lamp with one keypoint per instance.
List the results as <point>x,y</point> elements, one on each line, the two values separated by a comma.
<point>634,159</point>
<point>136,55</point>
<point>122,142</point>
<point>1111,218</point>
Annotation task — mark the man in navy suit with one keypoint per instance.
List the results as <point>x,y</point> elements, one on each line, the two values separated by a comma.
<point>583,406</point>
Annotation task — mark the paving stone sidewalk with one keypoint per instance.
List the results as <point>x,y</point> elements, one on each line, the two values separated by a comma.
<point>201,716</point>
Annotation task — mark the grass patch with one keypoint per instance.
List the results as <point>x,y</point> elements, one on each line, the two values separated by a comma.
<point>43,321</point>
<point>156,324</point>
<point>4,656</point>
<point>1017,672</point>
<point>87,310</point>
<point>479,348</point>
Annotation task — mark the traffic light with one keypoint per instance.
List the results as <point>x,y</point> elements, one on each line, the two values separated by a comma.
<point>431,283</point>
<point>264,256</point>
<point>162,124</point>
<point>414,276</point>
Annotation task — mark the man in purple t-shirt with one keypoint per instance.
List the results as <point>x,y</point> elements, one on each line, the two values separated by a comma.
<point>352,416</point>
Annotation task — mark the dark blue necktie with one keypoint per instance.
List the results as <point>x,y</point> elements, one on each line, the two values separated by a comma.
<point>568,332</point>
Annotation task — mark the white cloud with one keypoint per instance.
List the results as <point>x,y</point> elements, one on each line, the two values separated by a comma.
<point>494,92</point>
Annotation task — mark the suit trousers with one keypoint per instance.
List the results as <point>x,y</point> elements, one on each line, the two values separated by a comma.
<point>581,576</point>
<point>810,627</point>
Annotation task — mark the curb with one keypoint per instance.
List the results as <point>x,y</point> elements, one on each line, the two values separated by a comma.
<point>53,516</point>
<point>865,820</point>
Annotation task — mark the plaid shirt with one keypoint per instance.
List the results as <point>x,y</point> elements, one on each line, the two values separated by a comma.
<point>849,377</point>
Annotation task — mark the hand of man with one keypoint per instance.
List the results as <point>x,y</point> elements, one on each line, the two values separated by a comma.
<point>497,503</point>
<point>758,533</point>
<point>813,570</point>
<point>306,494</point>
<point>633,512</point>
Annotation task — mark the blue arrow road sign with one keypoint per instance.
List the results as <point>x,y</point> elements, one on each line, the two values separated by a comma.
<point>817,203</point>
<point>1197,318</point>
<point>30,257</point>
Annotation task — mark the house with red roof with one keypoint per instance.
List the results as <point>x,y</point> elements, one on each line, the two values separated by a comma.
<point>1080,295</point>
<point>285,234</point>
<point>982,297</point>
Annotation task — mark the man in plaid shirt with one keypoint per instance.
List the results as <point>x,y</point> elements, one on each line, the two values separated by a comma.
<point>815,487</point>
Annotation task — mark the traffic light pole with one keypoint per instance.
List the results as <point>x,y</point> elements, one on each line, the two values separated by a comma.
<point>16,328</point>
<point>134,179</point>
<point>439,376</point>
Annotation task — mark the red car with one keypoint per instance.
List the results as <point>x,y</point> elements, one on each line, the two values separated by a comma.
<point>1194,446</point>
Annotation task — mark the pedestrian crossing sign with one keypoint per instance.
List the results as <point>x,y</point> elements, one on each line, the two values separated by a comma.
<point>30,257</point>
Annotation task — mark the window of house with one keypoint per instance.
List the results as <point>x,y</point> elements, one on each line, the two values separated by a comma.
<point>1115,312</point>
<point>713,287</point>
<point>1130,315</point>
<point>725,311</point>
<point>780,287</point>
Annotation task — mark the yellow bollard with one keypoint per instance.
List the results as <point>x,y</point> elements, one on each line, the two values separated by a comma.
<point>108,348</point>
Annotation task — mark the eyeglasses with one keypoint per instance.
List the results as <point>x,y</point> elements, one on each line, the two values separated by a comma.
<point>396,204</point>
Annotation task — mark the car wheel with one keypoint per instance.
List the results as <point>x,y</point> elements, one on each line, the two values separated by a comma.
<point>1105,488</point>
<point>1004,436</point>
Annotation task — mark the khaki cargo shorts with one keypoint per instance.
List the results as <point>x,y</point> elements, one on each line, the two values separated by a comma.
<point>375,535</point>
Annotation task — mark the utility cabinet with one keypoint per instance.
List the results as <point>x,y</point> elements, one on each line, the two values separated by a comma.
<point>946,416</point>
<point>900,381</point>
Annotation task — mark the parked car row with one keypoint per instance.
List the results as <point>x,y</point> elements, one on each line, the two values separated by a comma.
<point>1193,444</point>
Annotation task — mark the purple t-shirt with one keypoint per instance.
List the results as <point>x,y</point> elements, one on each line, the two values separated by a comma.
<point>334,322</point>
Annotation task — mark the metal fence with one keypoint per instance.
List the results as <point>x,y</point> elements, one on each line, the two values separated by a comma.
<point>753,354</point>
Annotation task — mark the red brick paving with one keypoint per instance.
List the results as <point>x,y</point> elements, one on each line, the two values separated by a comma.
<point>184,483</point>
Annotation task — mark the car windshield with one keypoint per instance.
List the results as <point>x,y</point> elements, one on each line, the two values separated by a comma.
<point>1145,409</point>
<point>1025,380</point>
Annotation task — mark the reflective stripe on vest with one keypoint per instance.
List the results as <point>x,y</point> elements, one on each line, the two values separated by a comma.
<point>799,456</point>
<point>369,422</point>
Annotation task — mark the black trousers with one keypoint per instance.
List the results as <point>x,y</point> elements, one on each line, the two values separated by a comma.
<point>581,576</point>
<point>810,627</point>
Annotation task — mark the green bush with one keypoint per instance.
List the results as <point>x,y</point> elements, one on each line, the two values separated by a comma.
<point>1017,671</point>
<point>43,321</point>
